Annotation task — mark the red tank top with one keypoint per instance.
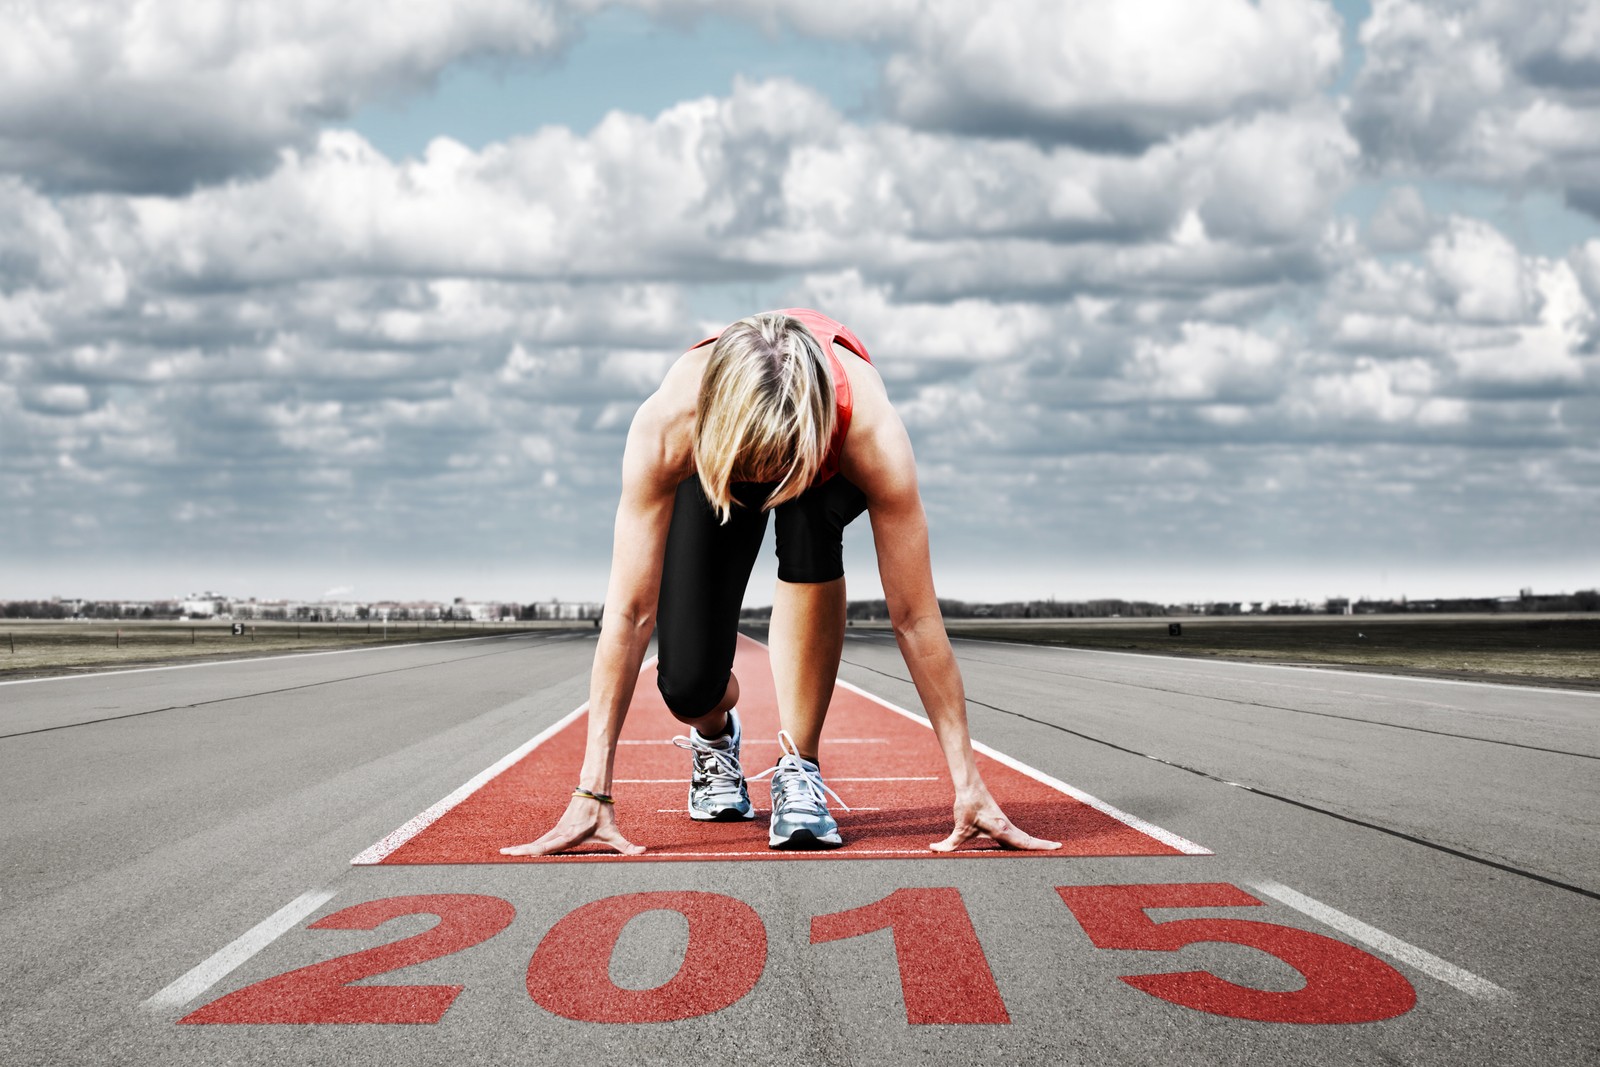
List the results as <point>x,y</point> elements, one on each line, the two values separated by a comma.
<point>827,331</point>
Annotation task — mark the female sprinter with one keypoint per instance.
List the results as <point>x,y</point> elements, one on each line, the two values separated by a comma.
<point>766,418</point>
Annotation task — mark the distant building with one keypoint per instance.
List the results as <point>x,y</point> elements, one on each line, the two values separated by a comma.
<point>204,605</point>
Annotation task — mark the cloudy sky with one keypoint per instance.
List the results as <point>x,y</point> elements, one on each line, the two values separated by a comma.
<point>1178,298</point>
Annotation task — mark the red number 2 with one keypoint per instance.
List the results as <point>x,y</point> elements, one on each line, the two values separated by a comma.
<point>1343,983</point>
<point>320,993</point>
<point>944,975</point>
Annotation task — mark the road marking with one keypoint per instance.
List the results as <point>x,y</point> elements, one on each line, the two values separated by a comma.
<point>1166,837</point>
<point>228,958</point>
<point>765,741</point>
<point>417,823</point>
<point>1185,661</point>
<point>1388,944</point>
<point>431,838</point>
<point>261,659</point>
<point>421,821</point>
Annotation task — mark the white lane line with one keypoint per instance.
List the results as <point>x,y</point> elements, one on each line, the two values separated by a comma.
<point>413,826</point>
<point>377,852</point>
<point>1166,837</point>
<point>831,778</point>
<point>767,741</point>
<point>1388,944</point>
<point>1185,661</point>
<point>261,659</point>
<point>228,958</point>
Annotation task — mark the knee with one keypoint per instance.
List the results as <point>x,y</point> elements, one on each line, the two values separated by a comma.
<point>810,552</point>
<point>814,569</point>
<point>691,694</point>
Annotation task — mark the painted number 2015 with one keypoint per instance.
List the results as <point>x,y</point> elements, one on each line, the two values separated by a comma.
<point>944,974</point>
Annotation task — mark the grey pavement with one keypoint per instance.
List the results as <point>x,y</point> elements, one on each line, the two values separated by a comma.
<point>155,817</point>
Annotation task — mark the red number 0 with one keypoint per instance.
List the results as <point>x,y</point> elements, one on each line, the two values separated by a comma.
<point>1343,984</point>
<point>320,993</point>
<point>570,973</point>
<point>944,975</point>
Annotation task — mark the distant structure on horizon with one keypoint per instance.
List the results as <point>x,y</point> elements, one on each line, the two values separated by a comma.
<point>1526,601</point>
<point>211,605</point>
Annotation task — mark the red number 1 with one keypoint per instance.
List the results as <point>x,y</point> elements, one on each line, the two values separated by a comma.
<point>944,975</point>
<point>1343,983</point>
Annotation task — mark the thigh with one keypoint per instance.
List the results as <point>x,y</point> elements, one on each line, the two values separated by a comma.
<point>810,530</point>
<point>704,572</point>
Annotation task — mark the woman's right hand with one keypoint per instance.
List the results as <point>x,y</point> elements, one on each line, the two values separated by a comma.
<point>585,820</point>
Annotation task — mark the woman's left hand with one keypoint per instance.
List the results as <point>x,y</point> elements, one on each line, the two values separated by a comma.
<point>977,815</point>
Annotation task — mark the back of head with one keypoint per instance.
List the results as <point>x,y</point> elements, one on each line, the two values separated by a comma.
<point>765,412</point>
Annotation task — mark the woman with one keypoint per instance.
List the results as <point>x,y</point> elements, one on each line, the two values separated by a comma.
<point>767,417</point>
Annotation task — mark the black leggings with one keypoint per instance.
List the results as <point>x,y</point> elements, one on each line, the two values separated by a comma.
<point>707,567</point>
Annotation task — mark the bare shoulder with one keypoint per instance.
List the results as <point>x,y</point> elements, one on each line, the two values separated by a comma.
<point>877,452</point>
<point>661,437</point>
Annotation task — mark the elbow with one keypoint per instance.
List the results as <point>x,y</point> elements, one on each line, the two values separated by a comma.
<point>629,618</point>
<point>915,626</point>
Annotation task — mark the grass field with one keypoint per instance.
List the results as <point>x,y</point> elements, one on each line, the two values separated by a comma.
<point>30,647</point>
<point>1538,649</point>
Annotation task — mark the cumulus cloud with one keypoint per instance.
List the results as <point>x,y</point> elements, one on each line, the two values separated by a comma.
<point>1208,362</point>
<point>1493,91</point>
<point>158,95</point>
<point>1114,75</point>
<point>1402,222</point>
<point>767,181</point>
<point>1489,319</point>
<point>1109,287</point>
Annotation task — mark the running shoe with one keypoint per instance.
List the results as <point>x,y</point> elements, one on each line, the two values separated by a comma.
<point>717,790</point>
<point>800,816</point>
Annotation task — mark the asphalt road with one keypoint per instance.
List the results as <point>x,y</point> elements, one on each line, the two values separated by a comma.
<point>1424,852</point>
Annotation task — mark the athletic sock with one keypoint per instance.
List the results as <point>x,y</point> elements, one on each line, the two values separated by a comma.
<point>727,727</point>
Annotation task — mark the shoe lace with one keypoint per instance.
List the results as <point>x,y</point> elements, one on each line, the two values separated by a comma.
<point>798,785</point>
<point>719,765</point>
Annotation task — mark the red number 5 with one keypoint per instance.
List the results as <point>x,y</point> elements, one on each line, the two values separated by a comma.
<point>1343,983</point>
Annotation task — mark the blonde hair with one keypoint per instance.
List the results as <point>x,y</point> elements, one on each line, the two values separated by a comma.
<point>765,411</point>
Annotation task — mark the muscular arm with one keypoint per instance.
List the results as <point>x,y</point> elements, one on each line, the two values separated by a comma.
<point>900,529</point>
<point>649,480</point>
<point>885,469</point>
<point>643,515</point>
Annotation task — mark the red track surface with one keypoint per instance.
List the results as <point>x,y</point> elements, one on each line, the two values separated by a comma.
<point>886,766</point>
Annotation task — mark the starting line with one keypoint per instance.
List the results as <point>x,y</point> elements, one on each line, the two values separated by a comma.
<point>884,766</point>
<point>945,977</point>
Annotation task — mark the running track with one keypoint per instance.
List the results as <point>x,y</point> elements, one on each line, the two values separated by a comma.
<point>1423,852</point>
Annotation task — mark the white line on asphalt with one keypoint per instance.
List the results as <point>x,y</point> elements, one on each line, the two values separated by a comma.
<point>414,826</point>
<point>260,659</point>
<point>1388,944</point>
<point>418,823</point>
<point>1184,661</point>
<point>766,741</point>
<point>1166,837</point>
<point>228,958</point>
